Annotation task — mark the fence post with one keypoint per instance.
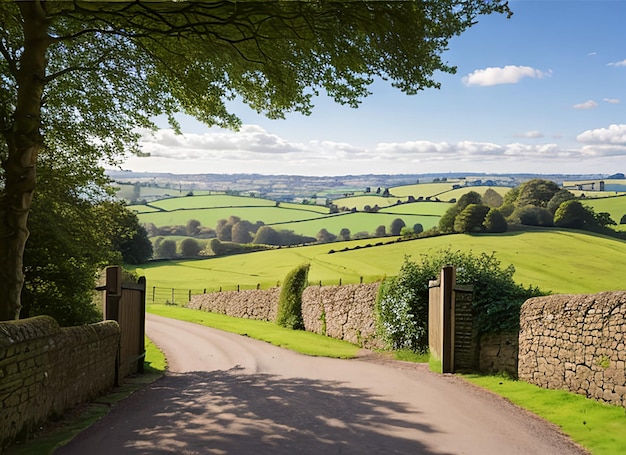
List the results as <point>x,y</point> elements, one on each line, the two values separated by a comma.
<point>153,292</point>
<point>173,301</point>
<point>189,296</point>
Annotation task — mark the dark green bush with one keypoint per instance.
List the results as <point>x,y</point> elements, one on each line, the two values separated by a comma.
<point>289,312</point>
<point>402,304</point>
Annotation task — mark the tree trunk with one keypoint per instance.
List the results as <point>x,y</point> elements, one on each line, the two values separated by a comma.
<point>23,139</point>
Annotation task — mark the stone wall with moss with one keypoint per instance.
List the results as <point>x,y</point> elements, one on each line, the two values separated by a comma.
<point>342,312</point>
<point>46,369</point>
<point>576,343</point>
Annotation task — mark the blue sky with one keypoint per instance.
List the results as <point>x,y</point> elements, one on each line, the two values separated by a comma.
<point>543,92</point>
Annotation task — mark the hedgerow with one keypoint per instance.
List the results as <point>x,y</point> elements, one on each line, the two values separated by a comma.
<point>402,304</point>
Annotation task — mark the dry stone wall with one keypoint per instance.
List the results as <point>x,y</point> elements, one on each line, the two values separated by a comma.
<point>576,343</point>
<point>342,312</point>
<point>249,304</point>
<point>45,369</point>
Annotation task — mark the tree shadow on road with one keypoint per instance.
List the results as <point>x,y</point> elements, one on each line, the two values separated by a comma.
<point>226,412</point>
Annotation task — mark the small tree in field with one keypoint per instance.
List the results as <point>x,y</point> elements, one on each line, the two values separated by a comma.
<point>289,313</point>
<point>190,248</point>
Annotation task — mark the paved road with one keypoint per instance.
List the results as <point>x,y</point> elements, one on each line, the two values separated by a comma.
<point>229,394</point>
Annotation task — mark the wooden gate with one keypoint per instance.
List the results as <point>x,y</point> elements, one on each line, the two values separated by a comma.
<point>451,336</point>
<point>126,304</point>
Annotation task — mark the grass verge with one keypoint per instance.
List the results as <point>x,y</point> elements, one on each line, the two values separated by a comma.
<point>57,433</point>
<point>296,340</point>
<point>598,427</point>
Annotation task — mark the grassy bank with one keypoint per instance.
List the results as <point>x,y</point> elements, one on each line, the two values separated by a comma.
<point>598,427</point>
<point>561,261</point>
<point>299,341</point>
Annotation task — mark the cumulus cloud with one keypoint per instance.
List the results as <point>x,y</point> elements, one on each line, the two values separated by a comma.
<point>613,135</point>
<point>591,104</point>
<point>622,63</point>
<point>510,74</point>
<point>253,149</point>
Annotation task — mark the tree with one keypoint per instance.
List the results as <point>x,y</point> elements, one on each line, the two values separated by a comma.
<point>492,198</point>
<point>559,197</point>
<point>193,227</point>
<point>67,248</point>
<point>83,76</point>
<point>572,214</point>
<point>418,228</point>
<point>323,236</point>
<point>495,222</point>
<point>267,235</point>
<point>531,215</point>
<point>166,249</point>
<point>242,231</point>
<point>537,192</point>
<point>446,222</point>
<point>124,231</point>
<point>344,234</point>
<point>381,231</point>
<point>396,226</point>
<point>190,248</point>
<point>471,218</point>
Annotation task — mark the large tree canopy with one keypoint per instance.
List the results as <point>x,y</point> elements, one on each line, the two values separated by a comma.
<point>83,76</point>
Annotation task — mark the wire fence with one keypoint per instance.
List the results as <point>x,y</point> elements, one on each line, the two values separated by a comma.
<point>179,296</point>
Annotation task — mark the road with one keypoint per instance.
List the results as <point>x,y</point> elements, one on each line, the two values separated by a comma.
<point>229,394</point>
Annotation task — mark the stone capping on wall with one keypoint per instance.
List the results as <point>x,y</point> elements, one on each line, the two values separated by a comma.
<point>46,369</point>
<point>343,312</point>
<point>576,343</point>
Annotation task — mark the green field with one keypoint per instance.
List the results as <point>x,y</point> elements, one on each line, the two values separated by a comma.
<point>211,201</point>
<point>615,206</point>
<point>555,260</point>
<point>355,222</point>
<point>210,216</point>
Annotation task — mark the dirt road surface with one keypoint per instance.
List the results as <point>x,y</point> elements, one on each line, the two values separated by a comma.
<point>229,394</point>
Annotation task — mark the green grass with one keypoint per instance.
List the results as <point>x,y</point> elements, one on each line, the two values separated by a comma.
<point>299,341</point>
<point>211,201</point>
<point>209,216</point>
<point>355,222</point>
<point>599,427</point>
<point>615,206</point>
<point>560,261</point>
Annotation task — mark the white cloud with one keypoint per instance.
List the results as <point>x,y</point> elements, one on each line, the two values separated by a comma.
<point>613,135</point>
<point>622,63</point>
<point>507,75</point>
<point>591,104</point>
<point>611,100</point>
<point>530,134</point>
<point>255,150</point>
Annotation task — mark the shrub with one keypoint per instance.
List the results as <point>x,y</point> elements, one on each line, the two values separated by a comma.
<point>166,249</point>
<point>495,222</point>
<point>289,312</point>
<point>402,304</point>
<point>190,248</point>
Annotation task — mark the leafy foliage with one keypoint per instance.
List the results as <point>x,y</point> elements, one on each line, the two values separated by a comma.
<point>83,78</point>
<point>495,222</point>
<point>289,313</point>
<point>190,248</point>
<point>572,214</point>
<point>402,305</point>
